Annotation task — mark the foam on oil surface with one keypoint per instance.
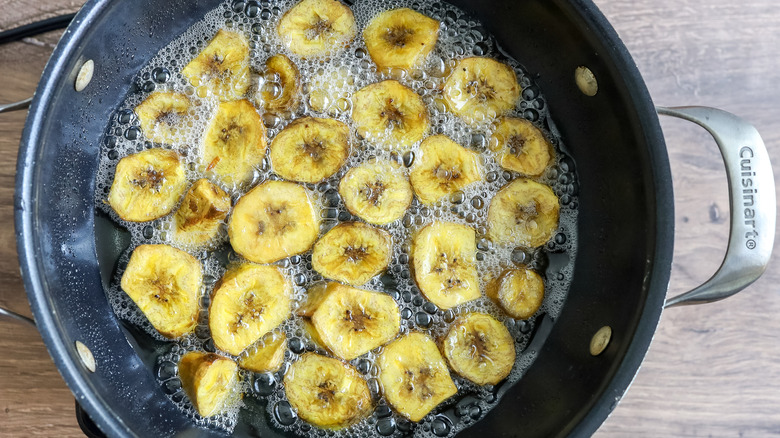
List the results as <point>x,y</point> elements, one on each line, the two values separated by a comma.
<point>330,83</point>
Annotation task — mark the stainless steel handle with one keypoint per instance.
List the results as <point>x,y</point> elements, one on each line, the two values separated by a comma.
<point>13,316</point>
<point>4,313</point>
<point>752,199</point>
<point>22,104</point>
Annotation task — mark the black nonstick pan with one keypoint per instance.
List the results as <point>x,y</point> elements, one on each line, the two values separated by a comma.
<point>625,222</point>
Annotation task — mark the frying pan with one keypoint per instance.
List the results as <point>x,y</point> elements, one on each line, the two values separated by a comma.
<point>625,222</point>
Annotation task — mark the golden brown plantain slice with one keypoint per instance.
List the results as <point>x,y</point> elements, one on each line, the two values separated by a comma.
<point>165,283</point>
<point>272,221</point>
<point>327,392</point>
<point>163,116</point>
<point>479,348</point>
<point>519,292</point>
<point>523,212</point>
<point>444,263</point>
<point>317,27</point>
<point>521,147</point>
<point>352,252</point>
<point>480,89</point>
<point>203,209</point>
<point>249,301</point>
<point>209,380</point>
<point>147,185</point>
<point>268,355</point>
<point>414,376</point>
<point>350,322</point>
<point>390,114</point>
<point>310,149</point>
<point>443,167</point>
<point>234,143</point>
<point>222,68</point>
<point>400,38</point>
<point>378,192</point>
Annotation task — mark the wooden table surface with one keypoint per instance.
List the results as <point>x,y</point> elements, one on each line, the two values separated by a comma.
<point>712,370</point>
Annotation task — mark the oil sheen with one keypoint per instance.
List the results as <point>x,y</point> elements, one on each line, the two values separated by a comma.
<point>335,79</point>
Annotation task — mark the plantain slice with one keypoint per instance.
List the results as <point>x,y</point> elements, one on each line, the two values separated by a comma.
<point>479,348</point>
<point>443,167</point>
<point>222,68</point>
<point>444,263</point>
<point>310,149</point>
<point>234,144</point>
<point>390,114</point>
<point>147,185</point>
<point>523,212</point>
<point>249,301</point>
<point>272,221</point>
<point>521,147</point>
<point>350,322</point>
<point>414,376</point>
<point>165,283</point>
<point>163,116</point>
<point>203,209</point>
<point>519,292</point>
<point>267,356</point>
<point>317,27</point>
<point>480,89</point>
<point>281,90</point>
<point>400,38</point>
<point>378,192</point>
<point>327,392</point>
<point>352,252</point>
<point>209,380</point>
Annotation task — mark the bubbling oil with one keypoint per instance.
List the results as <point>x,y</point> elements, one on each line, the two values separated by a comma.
<point>328,87</point>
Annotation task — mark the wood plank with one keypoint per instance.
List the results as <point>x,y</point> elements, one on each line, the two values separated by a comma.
<point>712,370</point>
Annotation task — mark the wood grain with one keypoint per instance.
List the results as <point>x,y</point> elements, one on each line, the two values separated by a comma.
<point>712,370</point>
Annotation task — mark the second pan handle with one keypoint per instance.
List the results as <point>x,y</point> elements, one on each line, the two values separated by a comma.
<point>751,197</point>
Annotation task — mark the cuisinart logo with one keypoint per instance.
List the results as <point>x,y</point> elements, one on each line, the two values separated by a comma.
<point>748,195</point>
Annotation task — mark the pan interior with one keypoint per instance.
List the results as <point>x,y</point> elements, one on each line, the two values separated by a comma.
<point>625,215</point>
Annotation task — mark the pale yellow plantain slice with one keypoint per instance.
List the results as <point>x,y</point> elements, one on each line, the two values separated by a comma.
<point>390,114</point>
<point>222,68</point>
<point>267,356</point>
<point>444,263</point>
<point>317,27</point>
<point>326,392</point>
<point>165,283</point>
<point>350,322</point>
<point>521,147</point>
<point>400,38</point>
<point>443,167</point>
<point>352,252</point>
<point>378,192</point>
<point>479,348</point>
<point>414,376</point>
<point>203,209</point>
<point>234,143</point>
<point>248,302</point>
<point>274,220</point>
<point>519,292</point>
<point>524,212</point>
<point>209,380</point>
<point>147,185</point>
<point>163,116</point>
<point>282,90</point>
<point>481,89</point>
<point>310,149</point>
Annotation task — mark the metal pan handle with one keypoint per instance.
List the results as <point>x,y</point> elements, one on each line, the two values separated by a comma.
<point>751,197</point>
